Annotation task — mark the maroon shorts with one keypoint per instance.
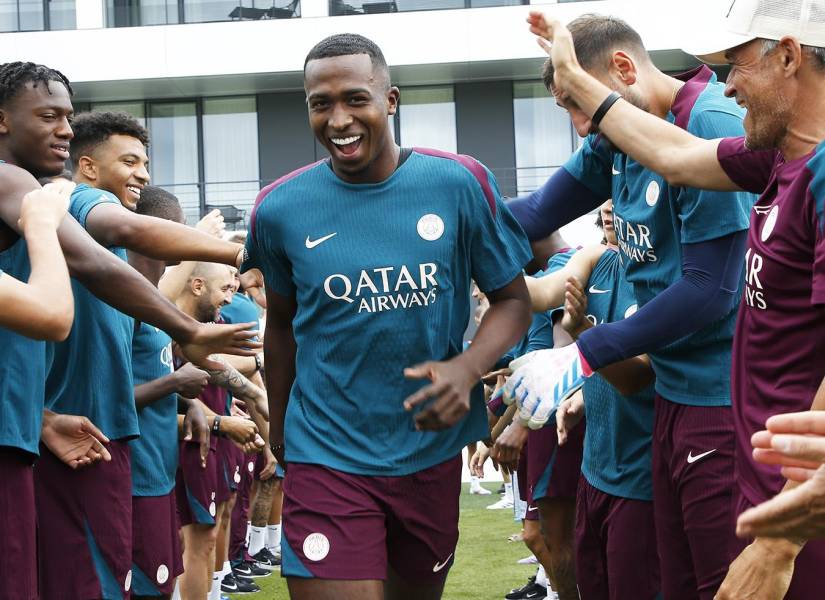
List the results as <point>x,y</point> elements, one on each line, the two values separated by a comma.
<point>615,546</point>
<point>532,513</point>
<point>156,553</point>
<point>240,514</point>
<point>18,546</point>
<point>195,486</point>
<point>553,470</point>
<point>230,458</point>
<point>84,526</point>
<point>343,526</point>
<point>807,577</point>
<point>693,485</point>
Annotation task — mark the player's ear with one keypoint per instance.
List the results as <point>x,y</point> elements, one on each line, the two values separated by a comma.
<point>4,126</point>
<point>624,66</point>
<point>87,167</point>
<point>197,285</point>
<point>393,96</point>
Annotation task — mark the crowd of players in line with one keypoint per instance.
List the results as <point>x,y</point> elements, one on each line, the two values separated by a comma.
<point>367,293</point>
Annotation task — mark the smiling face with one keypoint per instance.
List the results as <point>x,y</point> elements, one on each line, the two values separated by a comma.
<point>757,83</point>
<point>120,166</point>
<point>35,128</point>
<point>213,291</point>
<point>349,101</point>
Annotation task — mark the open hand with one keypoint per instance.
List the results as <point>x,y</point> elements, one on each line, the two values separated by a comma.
<point>48,203</point>
<point>560,48</point>
<point>568,415</point>
<point>74,439</point>
<point>195,427</point>
<point>211,338</point>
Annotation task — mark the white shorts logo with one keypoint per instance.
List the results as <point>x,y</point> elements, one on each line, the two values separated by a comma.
<point>770,223</point>
<point>652,193</point>
<point>316,546</point>
<point>430,227</point>
<point>212,508</point>
<point>251,467</point>
<point>630,310</point>
<point>163,574</point>
<point>237,476</point>
<point>128,583</point>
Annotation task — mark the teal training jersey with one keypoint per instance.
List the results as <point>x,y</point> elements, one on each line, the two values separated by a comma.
<point>242,309</point>
<point>381,274</point>
<point>653,220</point>
<point>617,443</point>
<point>22,369</point>
<point>155,452</point>
<point>91,372</point>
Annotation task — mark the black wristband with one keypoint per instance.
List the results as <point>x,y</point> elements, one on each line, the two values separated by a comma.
<point>216,425</point>
<point>604,107</point>
<point>276,448</point>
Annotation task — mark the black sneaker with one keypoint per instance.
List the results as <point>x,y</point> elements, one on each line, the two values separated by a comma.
<point>249,569</point>
<point>266,560</point>
<point>234,585</point>
<point>530,591</point>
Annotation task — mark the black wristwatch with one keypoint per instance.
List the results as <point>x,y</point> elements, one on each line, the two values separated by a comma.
<point>276,448</point>
<point>258,365</point>
<point>216,425</point>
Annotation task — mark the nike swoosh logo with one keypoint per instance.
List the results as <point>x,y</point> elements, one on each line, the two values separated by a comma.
<point>692,459</point>
<point>439,566</point>
<point>532,508</point>
<point>234,586</point>
<point>312,243</point>
<point>532,595</point>
<point>595,290</point>
<point>613,171</point>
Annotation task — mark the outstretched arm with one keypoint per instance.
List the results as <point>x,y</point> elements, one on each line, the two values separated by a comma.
<point>678,156</point>
<point>42,308</point>
<point>547,292</point>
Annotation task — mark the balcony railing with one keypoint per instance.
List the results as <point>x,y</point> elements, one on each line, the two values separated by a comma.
<point>367,7</point>
<point>135,13</point>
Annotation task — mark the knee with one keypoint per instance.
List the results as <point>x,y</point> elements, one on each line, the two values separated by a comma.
<point>533,539</point>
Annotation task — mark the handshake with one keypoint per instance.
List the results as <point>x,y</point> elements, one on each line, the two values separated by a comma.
<point>541,381</point>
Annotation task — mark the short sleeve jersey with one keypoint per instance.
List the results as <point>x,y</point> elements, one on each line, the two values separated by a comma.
<point>653,220</point>
<point>242,309</point>
<point>617,442</point>
<point>91,372</point>
<point>381,275</point>
<point>780,330</point>
<point>155,452</point>
<point>22,369</point>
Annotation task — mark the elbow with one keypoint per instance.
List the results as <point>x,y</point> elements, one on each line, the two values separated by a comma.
<point>55,324</point>
<point>720,305</point>
<point>674,173</point>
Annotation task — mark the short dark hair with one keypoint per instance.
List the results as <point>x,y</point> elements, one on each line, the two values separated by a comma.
<point>157,202</point>
<point>15,75</point>
<point>594,38</point>
<point>93,128</point>
<point>347,44</point>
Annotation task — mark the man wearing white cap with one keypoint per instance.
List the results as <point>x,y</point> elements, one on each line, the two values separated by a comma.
<point>776,51</point>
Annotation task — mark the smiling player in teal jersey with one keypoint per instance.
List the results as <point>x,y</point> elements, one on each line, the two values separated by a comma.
<point>35,111</point>
<point>368,258</point>
<point>91,372</point>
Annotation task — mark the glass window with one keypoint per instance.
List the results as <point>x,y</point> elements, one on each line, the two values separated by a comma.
<point>427,118</point>
<point>173,152</point>
<point>132,13</point>
<point>360,7</point>
<point>230,156</point>
<point>136,109</point>
<point>62,14</point>
<point>545,138</point>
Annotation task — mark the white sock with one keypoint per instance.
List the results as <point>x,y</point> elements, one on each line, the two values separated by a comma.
<point>227,569</point>
<point>273,537</point>
<point>508,491</point>
<point>176,593</point>
<point>215,590</point>
<point>473,480</point>
<point>248,533</point>
<point>257,540</point>
<point>541,577</point>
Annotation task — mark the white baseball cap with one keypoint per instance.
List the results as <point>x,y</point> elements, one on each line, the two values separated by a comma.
<point>745,20</point>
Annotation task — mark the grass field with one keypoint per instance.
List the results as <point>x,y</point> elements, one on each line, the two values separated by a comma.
<point>485,565</point>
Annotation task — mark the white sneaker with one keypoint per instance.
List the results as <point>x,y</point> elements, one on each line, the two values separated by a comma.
<point>479,491</point>
<point>529,560</point>
<point>501,504</point>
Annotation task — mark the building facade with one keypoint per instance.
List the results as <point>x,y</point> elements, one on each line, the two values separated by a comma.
<point>219,83</point>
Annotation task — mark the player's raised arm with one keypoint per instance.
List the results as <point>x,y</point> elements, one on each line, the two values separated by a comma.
<point>681,158</point>
<point>42,308</point>
<point>118,284</point>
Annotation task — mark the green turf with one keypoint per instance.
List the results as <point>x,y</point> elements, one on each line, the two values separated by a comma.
<point>485,565</point>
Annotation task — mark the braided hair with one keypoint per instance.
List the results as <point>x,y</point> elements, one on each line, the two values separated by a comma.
<point>15,75</point>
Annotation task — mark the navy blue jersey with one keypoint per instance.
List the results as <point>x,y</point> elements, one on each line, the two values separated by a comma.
<point>381,274</point>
